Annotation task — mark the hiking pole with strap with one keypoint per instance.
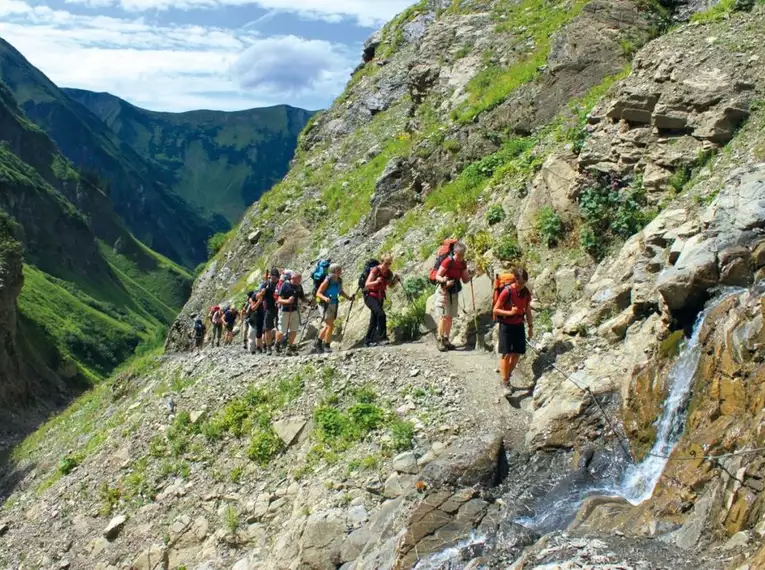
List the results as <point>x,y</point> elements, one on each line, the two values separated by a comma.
<point>475,316</point>
<point>305,324</point>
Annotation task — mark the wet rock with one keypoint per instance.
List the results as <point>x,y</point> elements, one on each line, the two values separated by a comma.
<point>467,462</point>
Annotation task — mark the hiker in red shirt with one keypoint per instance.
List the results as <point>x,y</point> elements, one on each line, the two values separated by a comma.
<point>512,307</point>
<point>380,278</point>
<point>452,273</point>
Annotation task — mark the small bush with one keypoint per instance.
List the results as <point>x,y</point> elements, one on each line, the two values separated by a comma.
<point>507,249</point>
<point>367,417</point>
<point>590,243</point>
<point>680,178</point>
<point>231,519</point>
<point>366,395</point>
<point>110,497</point>
<point>415,286</point>
<point>264,446</point>
<point>549,226</point>
<point>216,242</point>
<point>402,433</point>
<point>452,145</point>
<point>407,324</point>
<point>236,474</point>
<point>480,242</point>
<point>67,464</point>
<point>495,214</point>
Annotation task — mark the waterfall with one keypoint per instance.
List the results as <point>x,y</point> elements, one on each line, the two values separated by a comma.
<point>640,479</point>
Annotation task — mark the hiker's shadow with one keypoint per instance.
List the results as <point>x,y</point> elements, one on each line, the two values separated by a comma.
<point>544,361</point>
<point>516,398</point>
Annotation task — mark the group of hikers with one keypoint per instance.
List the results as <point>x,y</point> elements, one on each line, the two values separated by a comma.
<point>270,315</point>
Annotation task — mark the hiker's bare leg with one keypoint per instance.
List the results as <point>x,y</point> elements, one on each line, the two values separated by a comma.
<point>504,368</point>
<point>512,363</point>
<point>328,328</point>
<point>292,337</point>
<point>446,329</point>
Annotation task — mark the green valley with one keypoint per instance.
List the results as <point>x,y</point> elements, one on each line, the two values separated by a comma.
<point>220,162</point>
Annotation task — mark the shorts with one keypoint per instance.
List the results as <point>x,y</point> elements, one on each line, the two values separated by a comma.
<point>199,341</point>
<point>230,327</point>
<point>289,321</point>
<point>512,339</point>
<point>271,317</point>
<point>447,304</point>
<point>330,310</point>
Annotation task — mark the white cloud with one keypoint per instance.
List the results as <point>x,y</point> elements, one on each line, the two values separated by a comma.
<point>370,13</point>
<point>176,68</point>
<point>291,65</point>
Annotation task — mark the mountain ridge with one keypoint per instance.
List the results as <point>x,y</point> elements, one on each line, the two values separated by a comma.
<point>221,161</point>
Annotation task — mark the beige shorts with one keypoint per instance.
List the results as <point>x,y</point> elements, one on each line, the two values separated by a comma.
<point>447,304</point>
<point>289,322</point>
<point>330,311</point>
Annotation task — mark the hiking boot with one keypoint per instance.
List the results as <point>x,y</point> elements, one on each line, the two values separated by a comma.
<point>326,348</point>
<point>441,346</point>
<point>370,343</point>
<point>278,349</point>
<point>270,351</point>
<point>318,346</point>
<point>292,350</point>
<point>449,345</point>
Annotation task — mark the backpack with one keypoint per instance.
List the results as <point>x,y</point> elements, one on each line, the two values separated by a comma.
<point>199,329</point>
<point>320,272</point>
<point>502,281</point>
<point>368,267</point>
<point>217,317</point>
<point>446,249</point>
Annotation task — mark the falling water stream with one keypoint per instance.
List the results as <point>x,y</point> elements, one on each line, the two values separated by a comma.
<point>634,482</point>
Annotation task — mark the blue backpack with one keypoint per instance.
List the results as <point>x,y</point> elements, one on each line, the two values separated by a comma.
<point>320,273</point>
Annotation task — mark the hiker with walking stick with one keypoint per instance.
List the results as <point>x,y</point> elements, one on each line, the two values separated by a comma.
<point>452,273</point>
<point>329,293</point>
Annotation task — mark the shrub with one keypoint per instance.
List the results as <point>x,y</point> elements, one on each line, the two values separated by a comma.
<point>402,433</point>
<point>407,324</point>
<point>452,145</point>
<point>507,249</point>
<point>480,242</point>
<point>549,226</point>
<point>495,214</point>
<point>231,519</point>
<point>264,446</point>
<point>590,243</point>
<point>67,464</point>
<point>216,242</point>
<point>367,417</point>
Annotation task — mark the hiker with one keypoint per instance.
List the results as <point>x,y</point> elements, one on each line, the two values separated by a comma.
<point>290,294</point>
<point>255,318</point>
<point>245,322</point>
<point>268,293</point>
<point>510,309</point>
<point>229,318</point>
<point>380,278</point>
<point>329,293</point>
<point>452,273</point>
<point>216,319</point>
<point>199,334</point>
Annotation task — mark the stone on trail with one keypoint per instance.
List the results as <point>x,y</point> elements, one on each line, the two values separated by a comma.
<point>153,558</point>
<point>467,462</point>
<point>392,487</point>
<point>405,463</point>
<point>289,429</point>
<point>114,527</point>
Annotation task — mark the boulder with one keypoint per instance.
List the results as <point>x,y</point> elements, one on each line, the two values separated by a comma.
<point>405,463</point>
<point>695,271</point>
<point>468,462</point>
<point>288,429</point>
<point>254,237</point>
<point>114,527</point>
<point>153,558</point>
<point>322,540</point>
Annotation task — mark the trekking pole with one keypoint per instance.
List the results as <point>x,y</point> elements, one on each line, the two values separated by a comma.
<point>475,315</point>
<point>350,309</point>
<point>305,324</point>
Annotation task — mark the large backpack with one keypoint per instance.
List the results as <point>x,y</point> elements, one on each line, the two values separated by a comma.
<point>501,282</point>
<point>199,329</point>
<point>445,250</point>
<point>217,317</point>
<point>368,267</point>
<point>320,272</point>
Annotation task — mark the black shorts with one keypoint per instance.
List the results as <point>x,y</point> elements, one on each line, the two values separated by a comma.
<point>199,341</point>
<point>271,317</point>
<point>230,327</point>
<point>512,339</point>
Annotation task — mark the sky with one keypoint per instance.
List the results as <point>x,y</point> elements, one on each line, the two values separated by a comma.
<point>179,55</point>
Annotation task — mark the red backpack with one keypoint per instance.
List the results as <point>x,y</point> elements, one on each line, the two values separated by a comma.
<point>445,250</point>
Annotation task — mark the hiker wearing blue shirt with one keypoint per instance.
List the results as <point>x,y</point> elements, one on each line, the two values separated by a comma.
<point>329,293</point>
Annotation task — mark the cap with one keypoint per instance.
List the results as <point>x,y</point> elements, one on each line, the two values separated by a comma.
<point>274,272</point>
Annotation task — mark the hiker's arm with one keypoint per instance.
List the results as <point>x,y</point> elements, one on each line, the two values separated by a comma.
<point>442,278</point>
<point>393,280</point>
<point>322,288</point>
<point>467,276</point>
<point>530,320</point>
<point>371,280</point>
<point>499,311</point>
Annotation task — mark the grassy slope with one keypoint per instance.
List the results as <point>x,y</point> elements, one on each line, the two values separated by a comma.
<point>222,162</point>
<point>81,299</point>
